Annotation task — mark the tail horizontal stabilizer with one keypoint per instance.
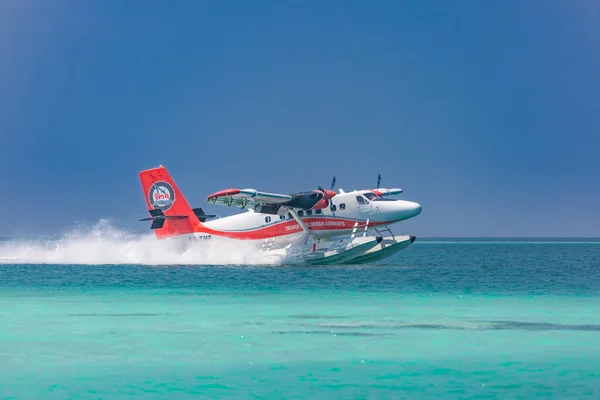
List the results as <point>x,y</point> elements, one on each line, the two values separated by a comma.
<point>201,215</point>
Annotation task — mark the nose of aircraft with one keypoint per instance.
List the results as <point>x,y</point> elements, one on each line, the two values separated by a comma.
<point>416,208</point>
<point>408,209</point>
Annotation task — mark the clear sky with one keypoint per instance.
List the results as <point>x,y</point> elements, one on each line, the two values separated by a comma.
<point>486,113</point>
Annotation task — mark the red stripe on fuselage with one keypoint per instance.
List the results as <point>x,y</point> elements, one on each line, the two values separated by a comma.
<point>289,227</point>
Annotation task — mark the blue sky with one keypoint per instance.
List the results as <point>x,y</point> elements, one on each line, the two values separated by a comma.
<point>486,113</point>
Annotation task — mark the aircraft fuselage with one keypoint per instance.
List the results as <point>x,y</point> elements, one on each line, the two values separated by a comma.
<point>344,211</point>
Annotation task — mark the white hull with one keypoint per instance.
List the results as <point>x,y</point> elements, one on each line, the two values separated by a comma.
<point>388,247</point>
<point>360,250</point>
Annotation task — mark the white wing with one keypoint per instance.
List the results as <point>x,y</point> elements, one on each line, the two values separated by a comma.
<point>244,198</point>
<point>388,192</point>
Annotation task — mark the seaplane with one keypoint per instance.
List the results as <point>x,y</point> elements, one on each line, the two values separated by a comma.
<point>314,227</point>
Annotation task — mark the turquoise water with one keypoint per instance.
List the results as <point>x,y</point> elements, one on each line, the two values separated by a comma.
<point>505,319</point>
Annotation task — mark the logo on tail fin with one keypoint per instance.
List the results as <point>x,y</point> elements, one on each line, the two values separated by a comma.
<point>161,195</point>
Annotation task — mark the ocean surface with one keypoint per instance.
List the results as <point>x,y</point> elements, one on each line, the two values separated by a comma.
<point>441,319</point>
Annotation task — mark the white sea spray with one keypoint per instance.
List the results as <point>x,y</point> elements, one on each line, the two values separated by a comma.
<point>103,243</point>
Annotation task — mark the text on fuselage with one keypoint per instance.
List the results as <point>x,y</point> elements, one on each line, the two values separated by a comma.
<point>203,238</point>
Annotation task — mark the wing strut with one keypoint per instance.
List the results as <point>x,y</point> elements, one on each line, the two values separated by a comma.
<point>305,228</point>
<point>302,239</point>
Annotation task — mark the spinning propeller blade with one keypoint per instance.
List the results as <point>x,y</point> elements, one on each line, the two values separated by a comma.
<point>324,195</point>
<point>327,193</point>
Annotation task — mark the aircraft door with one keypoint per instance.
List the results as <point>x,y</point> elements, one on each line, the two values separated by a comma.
<point>365,207</point>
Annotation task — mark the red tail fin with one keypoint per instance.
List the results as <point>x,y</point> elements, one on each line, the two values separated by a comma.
<point>171,213</point>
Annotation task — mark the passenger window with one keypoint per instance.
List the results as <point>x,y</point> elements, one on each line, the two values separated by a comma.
<point>342,206</point>
<point>317,211</point>
<point>300,213</point>
<point>308,212</point>
<point>361,200</point>
<point>333,208</point>
<point>267,219</point>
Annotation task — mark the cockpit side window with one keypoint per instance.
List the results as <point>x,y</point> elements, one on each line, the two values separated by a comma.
<point>361,200</point>
<point>370,195</point>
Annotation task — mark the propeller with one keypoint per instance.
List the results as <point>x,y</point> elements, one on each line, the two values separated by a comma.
<point>332,184</point>
<point>326,195</point>
<point>376,191</point>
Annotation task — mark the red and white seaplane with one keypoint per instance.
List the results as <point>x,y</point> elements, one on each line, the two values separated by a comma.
<point>286,228</point>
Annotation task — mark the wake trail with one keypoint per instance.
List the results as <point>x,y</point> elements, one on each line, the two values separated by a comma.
<point>105,244</point>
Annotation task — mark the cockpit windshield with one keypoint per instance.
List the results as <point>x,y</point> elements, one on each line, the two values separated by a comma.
<point>370,195</point>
